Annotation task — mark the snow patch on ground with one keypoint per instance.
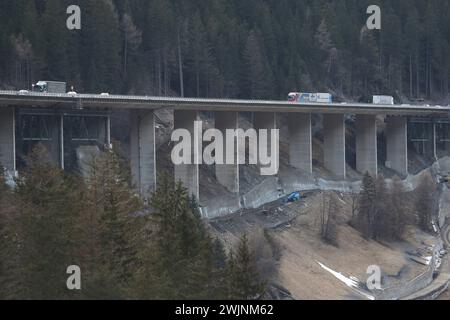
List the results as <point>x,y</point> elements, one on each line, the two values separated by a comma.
<point>351,282</point>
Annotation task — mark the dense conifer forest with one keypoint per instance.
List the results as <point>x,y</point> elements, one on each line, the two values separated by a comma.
<point>255,49</point>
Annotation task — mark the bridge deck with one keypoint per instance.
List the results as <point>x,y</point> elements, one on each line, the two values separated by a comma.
<point>33,99</point>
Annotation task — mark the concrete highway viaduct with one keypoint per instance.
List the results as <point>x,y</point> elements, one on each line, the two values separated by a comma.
<point>81,118</point>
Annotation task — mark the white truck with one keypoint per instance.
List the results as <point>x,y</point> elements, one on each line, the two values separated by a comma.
<point>50,87</point>
<point>304,97</point>
<point>383,100</point>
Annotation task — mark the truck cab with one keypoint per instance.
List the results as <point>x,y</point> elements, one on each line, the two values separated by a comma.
<point>293,96</point>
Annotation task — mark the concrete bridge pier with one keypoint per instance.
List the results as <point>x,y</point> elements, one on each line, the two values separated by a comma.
<point>7,139</point>
<point>366,144</point>
<point>268,121</point>
<point>188,174</point>
<point>397,144</point>
<point>422,136</point>
<point>435,153</point>
<point>265,120</point>
<point>228,174</point>
<point>442,138</point>
<point>334,144</point>
<point>300,141</point>
<point>143,154</point>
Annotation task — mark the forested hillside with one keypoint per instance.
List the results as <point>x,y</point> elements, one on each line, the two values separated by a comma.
<point>229,48</point>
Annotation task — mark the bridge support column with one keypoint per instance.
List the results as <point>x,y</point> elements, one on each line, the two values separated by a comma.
<point>188,174</point>
<point>334,144</point>
<point>7,139</point>
<point>143,154</point>
<point>442,141</point>
<point>435,155</point>
<point>265,120</point>
<point>268,121</point>
<point>228,174</point>
<point>366,144</point>
<point>300,141</point>
<point>397,144</point>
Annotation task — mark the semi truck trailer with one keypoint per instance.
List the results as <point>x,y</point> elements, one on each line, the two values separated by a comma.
<point>310,97</point>
<point>383,100</point>
<point>50,87</point>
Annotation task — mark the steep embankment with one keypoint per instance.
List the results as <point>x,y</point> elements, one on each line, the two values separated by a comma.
<point>293,232</point>
<point>301,274</point>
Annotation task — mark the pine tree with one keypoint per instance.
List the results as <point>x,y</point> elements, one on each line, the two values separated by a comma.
<point>323,36</point>
<point>412,36</point>
<point>383,219</point>
<point>111,226</point>
<point>219,255</point>
<point>56,40</point>
<point>171,253</point>
<point>179,260</point>
<point>199,58</point>
<point>11,284</point>
<point>329,232</point>
<point>367,207</point>
<point>48,206</point>
<point>101,47</point>
<point>399,208</point>
<point>6,238</point>
<point>243,276</point>
<point>257,77</point>
<point>159,39</point>
<point>132,40</point>
<point>424,203</point>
